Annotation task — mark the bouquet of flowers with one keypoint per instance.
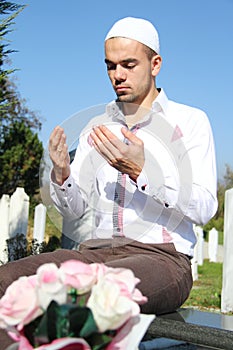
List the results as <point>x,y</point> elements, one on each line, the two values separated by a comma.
<point>75,306</point>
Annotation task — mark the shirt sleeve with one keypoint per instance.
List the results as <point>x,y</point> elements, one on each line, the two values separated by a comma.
<point>67,198</point>
<point>187,181</point>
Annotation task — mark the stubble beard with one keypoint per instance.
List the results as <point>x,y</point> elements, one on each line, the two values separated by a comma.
<point>134,97</point>
<point>128,98</point>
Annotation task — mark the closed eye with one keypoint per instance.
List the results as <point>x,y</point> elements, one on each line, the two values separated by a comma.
<point>127,64</point>
<point>110,65</point>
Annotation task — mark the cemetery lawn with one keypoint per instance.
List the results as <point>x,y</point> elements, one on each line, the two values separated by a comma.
<point>206,291</point>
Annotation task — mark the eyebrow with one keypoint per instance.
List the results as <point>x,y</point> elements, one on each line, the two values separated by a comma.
<point>127,60</point>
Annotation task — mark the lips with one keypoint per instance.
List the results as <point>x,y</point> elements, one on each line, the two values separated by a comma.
<point>121,88</point>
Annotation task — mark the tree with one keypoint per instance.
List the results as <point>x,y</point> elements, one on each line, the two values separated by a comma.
<point>20,148</point>
<point>12,106</point>
<point>228,177</point>
<point>15,109</point>
<point>5,24</point>
<point>20,155</point>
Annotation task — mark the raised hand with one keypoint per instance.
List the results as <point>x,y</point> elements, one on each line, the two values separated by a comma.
<point>127,158</point>
<point>58,151</point>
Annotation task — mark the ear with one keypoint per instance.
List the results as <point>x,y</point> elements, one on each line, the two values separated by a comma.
<point>156,63</point>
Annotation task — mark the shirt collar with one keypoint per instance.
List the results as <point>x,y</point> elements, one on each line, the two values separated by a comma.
<point>160,104</point>
<point>113,110</point>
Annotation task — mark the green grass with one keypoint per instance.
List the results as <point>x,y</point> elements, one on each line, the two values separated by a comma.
<point>51,228</point>
<point>220,237</point>
<point>206,291</point>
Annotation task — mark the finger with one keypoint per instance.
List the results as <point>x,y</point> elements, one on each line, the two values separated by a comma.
<point>55,137</point>
<point>99,134</point>
<point>110,140</point>
<point>109,135</point>
<point>104,147</point>
<point>61,159</point>
<point>61,143</point>
<point>101,144</point>
<point>131,136</point>
<point>63,154</point>
<point>99,138</point>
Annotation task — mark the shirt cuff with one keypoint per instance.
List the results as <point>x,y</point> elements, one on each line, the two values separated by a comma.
<point>156,189</point>
<point>67,185</point>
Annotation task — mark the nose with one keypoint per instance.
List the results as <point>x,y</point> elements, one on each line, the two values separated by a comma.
<point>119,74</point>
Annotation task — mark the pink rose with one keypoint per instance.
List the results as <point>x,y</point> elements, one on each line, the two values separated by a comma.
<point>127,282</point>
<point>50,285</point>
<point>20,304</point>
<point>99,270</point>
<point>78,275</point>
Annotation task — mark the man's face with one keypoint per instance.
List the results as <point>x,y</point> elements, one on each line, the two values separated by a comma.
<point>129,69</point>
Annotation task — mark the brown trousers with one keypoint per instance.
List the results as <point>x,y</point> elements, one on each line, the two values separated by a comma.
<point>165,274</point>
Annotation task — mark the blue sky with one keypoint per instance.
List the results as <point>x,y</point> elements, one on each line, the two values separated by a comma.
<point>61,59</point>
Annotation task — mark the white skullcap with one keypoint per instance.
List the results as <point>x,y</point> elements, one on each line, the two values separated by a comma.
<point>137,29</point>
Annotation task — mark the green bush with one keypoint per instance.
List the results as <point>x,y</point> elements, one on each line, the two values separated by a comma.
<point>19,246</point>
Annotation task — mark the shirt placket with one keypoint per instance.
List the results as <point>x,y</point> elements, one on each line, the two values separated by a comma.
<point>119,200</point>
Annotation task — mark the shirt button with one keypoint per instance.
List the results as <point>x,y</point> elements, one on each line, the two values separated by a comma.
<point>69,185</point>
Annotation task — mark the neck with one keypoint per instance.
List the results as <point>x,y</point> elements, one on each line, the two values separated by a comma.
<point>135,112</point>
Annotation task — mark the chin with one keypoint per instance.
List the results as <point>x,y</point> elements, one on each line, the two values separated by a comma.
<point>126,98</point>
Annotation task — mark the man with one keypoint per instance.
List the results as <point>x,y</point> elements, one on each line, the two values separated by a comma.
<point>147,169</point>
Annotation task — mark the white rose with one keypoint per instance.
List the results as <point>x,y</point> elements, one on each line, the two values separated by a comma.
<point>50,285</point>
<point>110,308</point>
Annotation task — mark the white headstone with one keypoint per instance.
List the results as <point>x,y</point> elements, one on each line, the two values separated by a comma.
<point>4,227</point>
<point>213,245</point>
<point>194,264</point>
<point>200,244</point>
<point>227,281</point>
<point>19,210</point>
<point>39,223</point>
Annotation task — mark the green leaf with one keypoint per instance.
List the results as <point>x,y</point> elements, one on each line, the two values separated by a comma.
<point>73,293</point>
<point>58,325</point>
<point>82,322</point>
<point>29,330</point>
<point>70,320</point>
<point>99,341</point>
<point>41,332</point>
<point>54,323</point>
<point>67,320</point>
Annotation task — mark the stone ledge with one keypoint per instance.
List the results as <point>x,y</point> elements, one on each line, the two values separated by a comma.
<point>195,327</point>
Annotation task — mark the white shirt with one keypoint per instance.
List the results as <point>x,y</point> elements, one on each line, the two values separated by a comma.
<point>176,188</point>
